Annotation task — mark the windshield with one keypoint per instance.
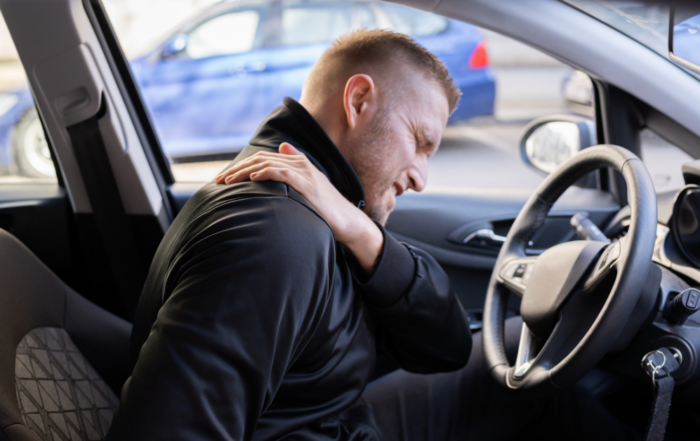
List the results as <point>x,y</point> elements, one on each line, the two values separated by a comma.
<point>648,24</point>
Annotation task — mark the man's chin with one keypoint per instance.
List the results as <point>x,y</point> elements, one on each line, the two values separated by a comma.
<point>384,218</point>
<point>380,215</point>
<point>379,209</point>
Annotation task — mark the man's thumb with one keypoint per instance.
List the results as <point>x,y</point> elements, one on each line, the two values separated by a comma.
<point>288,149</point>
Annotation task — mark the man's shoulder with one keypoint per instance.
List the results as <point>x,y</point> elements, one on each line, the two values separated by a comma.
<point>269,214</point>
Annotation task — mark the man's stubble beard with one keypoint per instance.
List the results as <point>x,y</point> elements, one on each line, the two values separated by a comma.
<point>371,160</point>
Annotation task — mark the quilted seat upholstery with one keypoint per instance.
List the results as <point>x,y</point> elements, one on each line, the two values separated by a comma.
<point>63,360</point>
<point>60,395</point>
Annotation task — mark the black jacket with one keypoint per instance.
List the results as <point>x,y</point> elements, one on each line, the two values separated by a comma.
<point>254,325</point>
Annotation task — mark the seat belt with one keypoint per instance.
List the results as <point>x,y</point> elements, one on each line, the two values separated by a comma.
<point>108,210</point>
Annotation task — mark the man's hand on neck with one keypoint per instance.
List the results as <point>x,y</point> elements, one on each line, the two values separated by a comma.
<point>351,226</point>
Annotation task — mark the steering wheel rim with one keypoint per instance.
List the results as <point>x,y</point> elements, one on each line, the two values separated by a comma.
<point>562,359</point>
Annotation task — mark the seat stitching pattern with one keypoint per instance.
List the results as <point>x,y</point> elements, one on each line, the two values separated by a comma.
<point>60,395</point>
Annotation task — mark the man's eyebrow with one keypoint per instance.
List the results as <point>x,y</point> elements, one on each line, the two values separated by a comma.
<point>423,142</point>
<point>419,139</point>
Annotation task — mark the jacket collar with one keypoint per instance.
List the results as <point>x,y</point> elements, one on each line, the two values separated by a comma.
<point>292,123</point>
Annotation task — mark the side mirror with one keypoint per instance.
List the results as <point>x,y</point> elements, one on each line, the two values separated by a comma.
<point>175,47</point>
<point>684,37</point>
<point>549,141</point>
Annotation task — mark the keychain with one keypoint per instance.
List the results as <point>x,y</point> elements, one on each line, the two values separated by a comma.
<point>660,365</point>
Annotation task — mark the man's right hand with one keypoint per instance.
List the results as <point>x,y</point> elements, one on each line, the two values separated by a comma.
<point>351,226</point>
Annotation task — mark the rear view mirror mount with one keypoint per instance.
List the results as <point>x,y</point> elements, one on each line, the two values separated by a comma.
<point>549,141</point>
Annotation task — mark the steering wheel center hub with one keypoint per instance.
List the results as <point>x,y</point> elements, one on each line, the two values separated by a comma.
<point>555,276</point>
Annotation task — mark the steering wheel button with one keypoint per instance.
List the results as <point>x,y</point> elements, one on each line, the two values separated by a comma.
<point>520,271</point>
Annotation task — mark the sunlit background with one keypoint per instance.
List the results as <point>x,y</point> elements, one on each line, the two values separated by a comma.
<point>480,151</point>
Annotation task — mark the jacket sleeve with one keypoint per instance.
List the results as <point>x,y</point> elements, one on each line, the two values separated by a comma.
<point>419,322</point>
<point>245,295</point>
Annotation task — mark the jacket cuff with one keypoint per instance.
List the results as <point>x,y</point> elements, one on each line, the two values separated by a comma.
<point>392,276</point>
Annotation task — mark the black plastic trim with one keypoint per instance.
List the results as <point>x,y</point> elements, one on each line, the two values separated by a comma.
<point>133,99</point>
<point>112,221</point>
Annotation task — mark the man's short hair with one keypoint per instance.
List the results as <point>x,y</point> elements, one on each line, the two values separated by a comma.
<point>380,51</point>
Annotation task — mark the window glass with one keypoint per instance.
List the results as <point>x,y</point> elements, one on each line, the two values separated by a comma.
<point>645,22</point>
<point>365,17</point>
<point>664,161</point>
<point>315,22</point>
<point>24,151</point>
<point>483,152</point>
<point>205,110</point>
<point>414,22</point>
<point>230,33</point>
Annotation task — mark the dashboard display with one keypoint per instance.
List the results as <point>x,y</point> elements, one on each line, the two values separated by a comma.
<point>686,223</point>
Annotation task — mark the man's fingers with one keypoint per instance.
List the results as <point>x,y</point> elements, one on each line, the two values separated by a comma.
<point>297,161</point>
<point>288,149</point>
<point>280,174</point>
<point>243,174</point>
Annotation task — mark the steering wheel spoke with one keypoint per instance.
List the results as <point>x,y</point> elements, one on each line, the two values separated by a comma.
<point>575,319</point>
<point>526,352</point>
<point>516,273</point>
<point>608,261</point>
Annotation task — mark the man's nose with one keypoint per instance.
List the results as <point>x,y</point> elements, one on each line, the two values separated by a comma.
<point>418,175</point>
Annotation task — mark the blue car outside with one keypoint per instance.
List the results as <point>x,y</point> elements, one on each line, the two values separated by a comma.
<point>212,81</point>
<point>686,38</point>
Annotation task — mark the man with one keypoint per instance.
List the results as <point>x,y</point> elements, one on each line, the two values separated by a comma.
<point>277,283</point>
<point>261,316</point>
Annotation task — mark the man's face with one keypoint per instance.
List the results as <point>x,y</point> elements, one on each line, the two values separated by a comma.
<point>390,155</point>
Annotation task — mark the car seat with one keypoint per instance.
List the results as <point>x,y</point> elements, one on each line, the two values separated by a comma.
<point>63,360</point>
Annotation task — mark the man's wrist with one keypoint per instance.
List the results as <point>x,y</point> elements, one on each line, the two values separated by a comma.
<point>393,274</point>
<point>365,243</point>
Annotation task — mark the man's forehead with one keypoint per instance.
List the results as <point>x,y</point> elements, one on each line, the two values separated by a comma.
<point>425,95</point>
<point>429,114</point>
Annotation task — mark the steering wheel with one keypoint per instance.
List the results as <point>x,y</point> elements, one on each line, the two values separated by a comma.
<point>576,296</point>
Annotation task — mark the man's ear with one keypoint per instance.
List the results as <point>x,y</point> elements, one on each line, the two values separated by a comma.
<point>359,99</point>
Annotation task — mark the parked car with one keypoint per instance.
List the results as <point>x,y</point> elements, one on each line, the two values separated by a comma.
<point>239,59</point>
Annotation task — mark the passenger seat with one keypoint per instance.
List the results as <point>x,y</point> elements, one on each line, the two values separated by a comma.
<point>63,360</point>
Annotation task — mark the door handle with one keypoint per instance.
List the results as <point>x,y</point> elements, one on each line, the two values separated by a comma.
<point>484,238</point>
<point>257,67</point>
<point>241,70</point>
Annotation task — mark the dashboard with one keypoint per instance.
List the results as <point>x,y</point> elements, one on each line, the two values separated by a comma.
<point>677,255</point>
<point>678,243</point>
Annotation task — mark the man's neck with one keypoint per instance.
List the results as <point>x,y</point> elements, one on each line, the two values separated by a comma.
<point>328,119</point>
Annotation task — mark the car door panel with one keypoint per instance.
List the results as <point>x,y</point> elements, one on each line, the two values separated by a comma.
<point>435,222</point>
<point>37,215</point>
